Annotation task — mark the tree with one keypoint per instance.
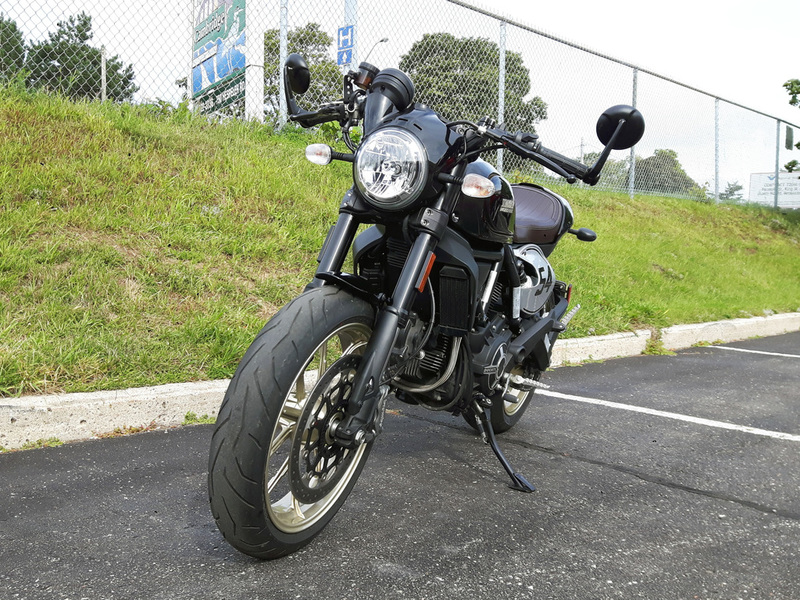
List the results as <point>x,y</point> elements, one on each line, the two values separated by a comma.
<point>12,49</point>
<point>662,173</point>
<point>732,192</point>
<point>792,165</point>
<point>793,88</point>
<point>313,44</point>
<point>68,64</point>
<point>459,78</point>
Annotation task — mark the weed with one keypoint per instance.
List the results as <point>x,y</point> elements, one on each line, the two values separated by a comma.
<point>127,430</point>
<point>656,348</point>
<point>50,442</point>
<point>192,419</point>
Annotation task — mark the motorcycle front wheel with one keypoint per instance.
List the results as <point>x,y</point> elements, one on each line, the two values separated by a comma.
<point>276,477</point>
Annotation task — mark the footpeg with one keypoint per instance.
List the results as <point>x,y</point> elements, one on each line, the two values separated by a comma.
<point>484,423</point>
<point>568,317</point>
<point>524,384</point>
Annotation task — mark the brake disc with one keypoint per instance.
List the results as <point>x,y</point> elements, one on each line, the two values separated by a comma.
<point>317,463</point>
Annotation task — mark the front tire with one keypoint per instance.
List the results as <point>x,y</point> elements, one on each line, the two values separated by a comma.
<point>275,476</point>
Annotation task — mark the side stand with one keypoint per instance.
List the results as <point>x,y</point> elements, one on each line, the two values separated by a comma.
<point>484,422</point>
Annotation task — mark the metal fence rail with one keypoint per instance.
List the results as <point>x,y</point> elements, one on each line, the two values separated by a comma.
<point>224,56</point>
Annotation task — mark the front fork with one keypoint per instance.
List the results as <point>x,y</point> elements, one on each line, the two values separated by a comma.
<point>366,392</point>
<point>358,425</point>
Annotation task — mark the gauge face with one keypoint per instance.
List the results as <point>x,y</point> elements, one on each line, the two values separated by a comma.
<point>391,169</point>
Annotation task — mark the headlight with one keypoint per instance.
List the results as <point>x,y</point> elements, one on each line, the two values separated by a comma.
<point>391,169</point>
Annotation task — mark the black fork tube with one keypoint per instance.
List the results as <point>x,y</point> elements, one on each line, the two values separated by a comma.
<point>336,247</point>
<point>366,386</point>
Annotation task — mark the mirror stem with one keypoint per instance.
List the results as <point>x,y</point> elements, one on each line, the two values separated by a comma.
<point>594,172</point>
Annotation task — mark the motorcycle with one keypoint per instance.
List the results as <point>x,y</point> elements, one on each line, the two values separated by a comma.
<point>452,305</point>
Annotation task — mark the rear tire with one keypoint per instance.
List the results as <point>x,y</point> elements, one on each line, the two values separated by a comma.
<point>506,414</point>
<point>275,477</point>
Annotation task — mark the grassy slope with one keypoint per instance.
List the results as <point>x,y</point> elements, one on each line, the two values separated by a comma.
<point>140,249</point>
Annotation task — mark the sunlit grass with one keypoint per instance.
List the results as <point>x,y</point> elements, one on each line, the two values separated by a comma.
<point>139,248</point>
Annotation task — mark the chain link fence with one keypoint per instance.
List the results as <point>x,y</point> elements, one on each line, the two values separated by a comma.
<point>224,57</point>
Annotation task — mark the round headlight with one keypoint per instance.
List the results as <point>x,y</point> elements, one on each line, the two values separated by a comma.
<point>391,169</point>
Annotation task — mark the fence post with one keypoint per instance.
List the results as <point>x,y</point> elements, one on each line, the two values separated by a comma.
<point>254,65</point>
<point>716,149</point>
<point>103,76</point>
<point>632,172</point>
<point>777,160</point>
<point>501,89</point>
<point>190,76</point>
<point>283,55</point>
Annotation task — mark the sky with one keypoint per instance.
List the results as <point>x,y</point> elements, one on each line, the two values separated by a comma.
<point>741,51</point>
<point>738,50</point>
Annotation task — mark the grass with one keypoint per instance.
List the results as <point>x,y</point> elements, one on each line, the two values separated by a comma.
<point>127,430</point>
<point>192,419</point>
<point>141,247</point>
<point>663,261</point>
<point>51,442</point>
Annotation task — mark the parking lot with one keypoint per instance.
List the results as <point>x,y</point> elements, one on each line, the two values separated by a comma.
<point>657,477</point>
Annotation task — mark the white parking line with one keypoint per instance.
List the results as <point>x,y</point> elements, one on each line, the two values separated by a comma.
<point>757,352</point>
<point>678,417</point>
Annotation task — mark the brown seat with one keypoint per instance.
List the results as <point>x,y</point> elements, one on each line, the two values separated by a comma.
<point>540,214</point>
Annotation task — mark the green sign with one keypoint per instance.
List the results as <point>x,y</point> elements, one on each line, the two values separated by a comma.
<point>221,96</point>
<point>218,60</point>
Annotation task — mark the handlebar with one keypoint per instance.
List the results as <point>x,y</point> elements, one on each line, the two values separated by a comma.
<point>619,127</point>
<point>527,145</point>
<point>523,144</point>
<point>580,170</point>
<point>334,111</point>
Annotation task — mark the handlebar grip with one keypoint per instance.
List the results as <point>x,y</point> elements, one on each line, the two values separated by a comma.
<point>323,115</point>
<point>571,166</point>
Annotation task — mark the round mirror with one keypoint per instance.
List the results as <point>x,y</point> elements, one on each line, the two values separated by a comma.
<point>632,130</point>
<point>297,74</point>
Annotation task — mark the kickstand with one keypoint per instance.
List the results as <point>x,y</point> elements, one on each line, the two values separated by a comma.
<point>484,422</point>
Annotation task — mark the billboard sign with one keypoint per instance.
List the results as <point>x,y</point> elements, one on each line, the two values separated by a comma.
<point>218,61</point>
<point>762,189</point>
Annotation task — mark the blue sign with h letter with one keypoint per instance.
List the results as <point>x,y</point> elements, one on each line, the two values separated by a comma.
<point>347,40</point>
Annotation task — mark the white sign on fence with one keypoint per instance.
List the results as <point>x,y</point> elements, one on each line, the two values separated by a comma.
<point>762,189</point>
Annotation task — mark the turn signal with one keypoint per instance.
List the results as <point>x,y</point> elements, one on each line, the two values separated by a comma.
<point>319,154</point>
<point>477,186</point>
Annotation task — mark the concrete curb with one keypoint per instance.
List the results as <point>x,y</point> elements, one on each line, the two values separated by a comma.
<point>685,336</point>
<point>71,417</point>
<point>601,347</point>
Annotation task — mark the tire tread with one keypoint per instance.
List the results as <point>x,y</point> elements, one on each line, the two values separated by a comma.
<point>249,411</point>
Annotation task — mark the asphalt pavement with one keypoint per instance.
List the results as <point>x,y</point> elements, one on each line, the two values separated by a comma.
<point>657,477</point>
